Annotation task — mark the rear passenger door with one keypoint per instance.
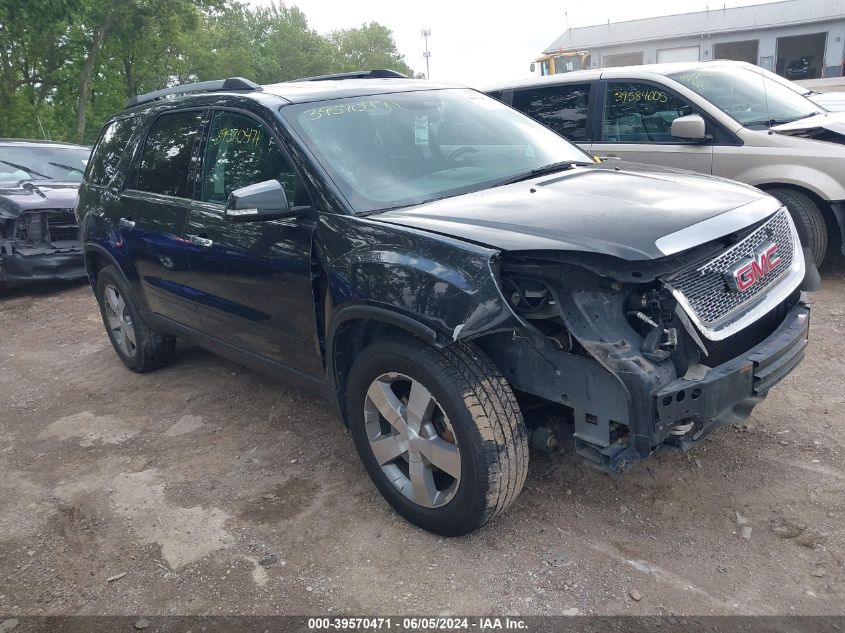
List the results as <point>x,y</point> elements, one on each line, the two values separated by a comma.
<point>154,208</point>
<point>562,108</point>
<point>252,279</point>
<point>635,124</point>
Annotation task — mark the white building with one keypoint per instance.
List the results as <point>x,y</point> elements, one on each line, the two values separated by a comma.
<point>798,39</point>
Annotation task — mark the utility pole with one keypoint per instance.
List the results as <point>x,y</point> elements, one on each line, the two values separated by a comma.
<point>426,33</point>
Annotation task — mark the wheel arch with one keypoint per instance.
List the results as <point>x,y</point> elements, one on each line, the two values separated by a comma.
<point>96,258</point>
<point>355,327</point>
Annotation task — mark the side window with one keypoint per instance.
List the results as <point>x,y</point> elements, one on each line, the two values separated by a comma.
<point>561,108</point>
<point>241,152</point>
<point>109,150</point>
<point>166,158</point>
<point>641,113</point>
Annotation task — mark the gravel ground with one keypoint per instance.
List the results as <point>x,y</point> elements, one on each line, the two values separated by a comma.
<point>204,488</point>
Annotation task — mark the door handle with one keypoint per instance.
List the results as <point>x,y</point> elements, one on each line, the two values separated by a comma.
<point>126,223</point>
<point>200,241</point>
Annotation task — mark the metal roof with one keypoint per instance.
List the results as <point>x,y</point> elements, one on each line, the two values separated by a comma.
<point>761,16</point>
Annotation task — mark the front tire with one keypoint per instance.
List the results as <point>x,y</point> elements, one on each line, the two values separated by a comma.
<point>439,432</point>
<point>140,348</point>
<point>808,218</point>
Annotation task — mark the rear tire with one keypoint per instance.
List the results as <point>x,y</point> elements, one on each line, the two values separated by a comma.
<point>808,218</point>
<point>469,410</point>
<point>140,348</point>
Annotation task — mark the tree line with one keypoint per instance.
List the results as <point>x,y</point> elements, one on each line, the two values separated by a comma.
<point>65,65</point>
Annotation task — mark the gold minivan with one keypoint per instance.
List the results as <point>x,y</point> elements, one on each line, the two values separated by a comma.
<point>722,118</point>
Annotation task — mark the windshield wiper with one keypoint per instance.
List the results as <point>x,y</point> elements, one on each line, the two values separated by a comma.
<point>63,166</point>
<point>771,122</point>
<point>28,170</point>
<point>552,168</point>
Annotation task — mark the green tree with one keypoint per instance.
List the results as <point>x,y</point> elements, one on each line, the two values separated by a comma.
<point>33,51</point>
<point>66,65</point>
<point>266,44</point>
<point>139,32</point>
<point>370,46</point>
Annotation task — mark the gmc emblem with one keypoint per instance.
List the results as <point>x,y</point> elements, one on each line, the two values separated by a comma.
<point>748,271</point>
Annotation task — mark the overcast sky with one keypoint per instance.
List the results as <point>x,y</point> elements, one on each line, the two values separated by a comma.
<point>475,42</point>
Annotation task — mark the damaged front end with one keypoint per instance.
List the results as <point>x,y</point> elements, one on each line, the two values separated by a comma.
<point>646,354</point>
<point>40,245</point>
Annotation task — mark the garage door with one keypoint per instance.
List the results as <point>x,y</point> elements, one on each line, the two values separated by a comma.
<point>682,54</point>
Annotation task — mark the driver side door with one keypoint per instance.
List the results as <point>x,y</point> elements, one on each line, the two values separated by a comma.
<point>252,279</point>
<point>636,123</point>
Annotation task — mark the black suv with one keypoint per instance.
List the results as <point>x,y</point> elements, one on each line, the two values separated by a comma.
<point>457,279</point>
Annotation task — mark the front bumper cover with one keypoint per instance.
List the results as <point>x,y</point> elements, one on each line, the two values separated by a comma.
<point>18,269</point>
<point>625,406</point>
<point>726,394</point>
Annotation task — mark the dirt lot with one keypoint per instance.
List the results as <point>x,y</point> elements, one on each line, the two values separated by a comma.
<point>185,478</point>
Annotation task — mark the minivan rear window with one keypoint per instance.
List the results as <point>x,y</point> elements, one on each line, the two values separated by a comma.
<point>561,108</point>
<point>166,158</point>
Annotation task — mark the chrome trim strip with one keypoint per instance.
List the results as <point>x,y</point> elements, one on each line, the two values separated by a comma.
<point>762,304</point>
<point>717,226</point>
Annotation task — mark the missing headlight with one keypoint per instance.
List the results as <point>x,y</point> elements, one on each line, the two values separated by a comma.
<point>530,298</point>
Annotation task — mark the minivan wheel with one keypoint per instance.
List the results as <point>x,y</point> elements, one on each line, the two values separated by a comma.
<point>140,348</point>
<point>439,432</point>
<point>808,218</point>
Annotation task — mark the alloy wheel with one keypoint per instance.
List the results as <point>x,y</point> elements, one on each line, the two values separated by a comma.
<point>119,320</point>
<point>412,439</point>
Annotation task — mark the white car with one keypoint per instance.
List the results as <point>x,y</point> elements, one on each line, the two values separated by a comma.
<point>728,119</point>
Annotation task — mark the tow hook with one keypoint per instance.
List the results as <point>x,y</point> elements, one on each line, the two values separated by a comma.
<point>659,342</point>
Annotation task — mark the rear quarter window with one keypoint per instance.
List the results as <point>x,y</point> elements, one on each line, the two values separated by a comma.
<point>110,149</point>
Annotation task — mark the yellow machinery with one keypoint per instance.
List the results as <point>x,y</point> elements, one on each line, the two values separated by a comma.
<point>561,62</point>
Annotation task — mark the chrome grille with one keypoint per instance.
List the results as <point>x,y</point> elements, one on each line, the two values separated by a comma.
<point>704,287</point>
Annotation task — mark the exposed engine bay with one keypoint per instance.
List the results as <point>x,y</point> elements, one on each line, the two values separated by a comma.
<point>43,230</point>
<point>671,365</point>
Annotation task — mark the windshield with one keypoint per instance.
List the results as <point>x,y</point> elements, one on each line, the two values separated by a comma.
<point>47,162</point>
<point>750,98</point>
<point>406,148</point>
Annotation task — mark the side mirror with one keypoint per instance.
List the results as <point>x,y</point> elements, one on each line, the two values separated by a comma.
<point>262,201</point>
<point>689,127</point>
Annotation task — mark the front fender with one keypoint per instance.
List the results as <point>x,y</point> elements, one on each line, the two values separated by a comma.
<point>445,284</point>
<point>808,177</point>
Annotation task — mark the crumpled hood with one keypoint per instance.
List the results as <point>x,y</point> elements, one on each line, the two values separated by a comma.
<point>615,208</point>
<point>40,195</point>
<point>830,121</point>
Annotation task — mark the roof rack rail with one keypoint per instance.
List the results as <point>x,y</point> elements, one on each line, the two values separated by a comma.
<point>379,73</point>
<point>232,83</point>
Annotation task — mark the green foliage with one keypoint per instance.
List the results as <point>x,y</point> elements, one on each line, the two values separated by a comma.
<point>60,57</point>
<point>370,46</point>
